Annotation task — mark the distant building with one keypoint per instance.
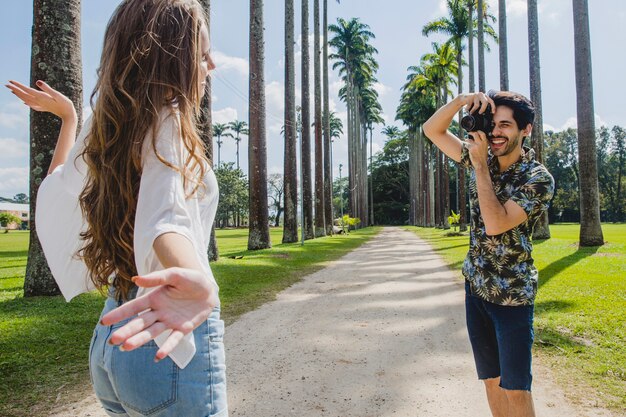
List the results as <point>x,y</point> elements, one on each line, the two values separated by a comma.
<point>19,210</point>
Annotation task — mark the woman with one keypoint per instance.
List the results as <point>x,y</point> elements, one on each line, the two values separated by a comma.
<point>135,204</point>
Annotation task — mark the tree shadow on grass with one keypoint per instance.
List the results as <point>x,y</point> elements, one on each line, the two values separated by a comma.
<point>553,305</point>
<point>549,271</point>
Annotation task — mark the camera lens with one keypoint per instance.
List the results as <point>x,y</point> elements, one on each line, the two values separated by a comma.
<point>468,123</point>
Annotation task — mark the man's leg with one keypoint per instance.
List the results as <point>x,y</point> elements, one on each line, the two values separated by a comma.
<point>520,403</point>
<point>498,402</point>
<point>484,343</point>
<point>514,331</point>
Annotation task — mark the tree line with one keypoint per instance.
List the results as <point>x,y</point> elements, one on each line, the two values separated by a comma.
<point>393,199</point>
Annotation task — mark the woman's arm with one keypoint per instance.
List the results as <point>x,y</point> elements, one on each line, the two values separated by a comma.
<point>184,299</point>
<point>50,100</point>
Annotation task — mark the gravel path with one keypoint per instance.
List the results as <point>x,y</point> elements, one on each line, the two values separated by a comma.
<point>380,332</point>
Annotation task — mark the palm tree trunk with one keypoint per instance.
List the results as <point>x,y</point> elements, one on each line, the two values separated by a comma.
<point>206,133</point>
<point>371,184</point>
<point>259,235</point>
<point>320,223</point>
<point>431,187</point>
<point>590,227</point>
<point>419,178</point>
<point>481,46</point>
<point>307,186</point>
<point>56,59</point>
<point>470,46</point>
<point>504,59</point>
<point>328,180</point>
<point>542,230</point>
<point>461,170</point>
<point>290,181</point>
<point>237,150</point>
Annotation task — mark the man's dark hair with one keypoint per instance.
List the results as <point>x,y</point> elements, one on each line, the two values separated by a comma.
<point>523,109</point>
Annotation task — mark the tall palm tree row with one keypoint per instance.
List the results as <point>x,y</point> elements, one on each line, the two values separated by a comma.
<point>590,228</point>
<point>290,175</point>
<point>354,58</point>
<point>55,46</point>
<point>427,87</point>
<point>459,25</point>
<point>305,153</point>
<point>259,233</point>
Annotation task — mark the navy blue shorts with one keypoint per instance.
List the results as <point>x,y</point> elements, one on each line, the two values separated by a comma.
<point>502,339</point>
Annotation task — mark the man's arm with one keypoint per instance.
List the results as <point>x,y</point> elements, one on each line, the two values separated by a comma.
<point>498,217</point>
<point>436,128</point>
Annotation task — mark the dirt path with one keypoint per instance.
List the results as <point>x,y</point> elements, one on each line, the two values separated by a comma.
<point>380,332</point>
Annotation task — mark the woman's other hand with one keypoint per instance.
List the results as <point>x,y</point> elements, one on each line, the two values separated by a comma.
<point>183,299</point>
<point>47,99</point>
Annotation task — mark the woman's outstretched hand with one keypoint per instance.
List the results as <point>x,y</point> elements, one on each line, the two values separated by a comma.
<point>47,99</point>
<point>183,299</point>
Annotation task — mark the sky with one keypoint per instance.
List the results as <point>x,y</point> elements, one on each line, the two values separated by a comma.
<point>397,25</point>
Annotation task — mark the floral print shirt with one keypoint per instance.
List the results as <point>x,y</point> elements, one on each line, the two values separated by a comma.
<point>500,269</point>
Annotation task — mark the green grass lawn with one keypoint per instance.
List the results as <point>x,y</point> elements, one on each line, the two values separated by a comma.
<point>44,341</point>
<point>580,308</point>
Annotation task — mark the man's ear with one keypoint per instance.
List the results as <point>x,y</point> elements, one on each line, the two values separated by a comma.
<point>527,130</point>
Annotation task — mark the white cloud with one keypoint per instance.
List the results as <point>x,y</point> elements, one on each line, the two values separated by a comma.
<point>572,122</point>
<point>275,103</point>
<point>225,62</point>
<point>14,115</point>
<point>225,115</point>
<point>13,180</point>
<point>13,148</point>
<point>381,88</point>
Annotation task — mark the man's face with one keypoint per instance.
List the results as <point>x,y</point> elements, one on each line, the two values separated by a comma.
<point>506,136</point>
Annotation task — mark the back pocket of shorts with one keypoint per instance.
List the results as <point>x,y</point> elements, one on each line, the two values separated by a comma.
<point>141,384</point>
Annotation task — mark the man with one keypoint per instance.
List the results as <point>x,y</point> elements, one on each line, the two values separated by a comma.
<point>509,190</point>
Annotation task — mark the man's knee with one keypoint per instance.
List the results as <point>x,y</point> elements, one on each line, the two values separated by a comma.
<point>517,395</point>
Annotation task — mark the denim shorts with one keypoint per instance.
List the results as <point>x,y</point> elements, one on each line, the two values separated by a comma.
<point>501,338</point>
<point>132,384</point>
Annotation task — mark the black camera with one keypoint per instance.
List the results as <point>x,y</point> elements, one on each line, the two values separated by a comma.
<point>478,121</point>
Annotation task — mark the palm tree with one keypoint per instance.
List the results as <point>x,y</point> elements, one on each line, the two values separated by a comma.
<point>504,60</point>
<point>357,66</point>
<point>206,132</point>
<point>320,222</point>
<point>456,25</point>
<point>542,230</point>
<point>290,177</point>
<point>259,232</point>
<point>305,155</point>
<point>55,46</point>
<point>441,67</point>
<point>590,227</point>
<point>240,128</point>
<point>221,130</point>
<point>391,132</point>
<point>336,126</point>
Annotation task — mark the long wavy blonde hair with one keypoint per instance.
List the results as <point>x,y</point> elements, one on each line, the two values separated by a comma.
<point>150,60</point>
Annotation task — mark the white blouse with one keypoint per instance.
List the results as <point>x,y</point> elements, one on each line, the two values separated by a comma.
<point>162,207</point>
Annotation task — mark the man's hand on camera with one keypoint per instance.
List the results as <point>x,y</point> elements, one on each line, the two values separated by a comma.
<point>478,101</point>
<point>478,146</point>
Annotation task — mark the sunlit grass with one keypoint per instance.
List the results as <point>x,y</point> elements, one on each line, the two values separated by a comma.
<point>44,341</point>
